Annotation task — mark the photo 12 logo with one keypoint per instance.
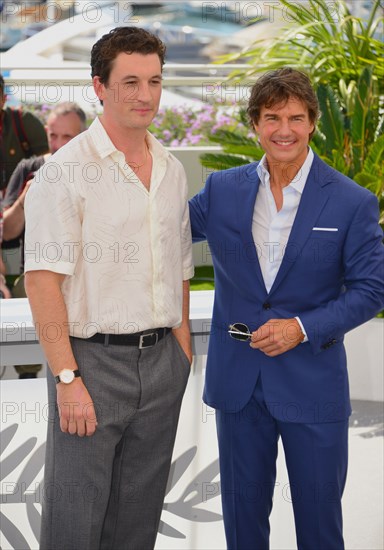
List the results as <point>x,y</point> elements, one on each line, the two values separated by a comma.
<point>268,10</point>
<point>52,92</point>
<point>92,12</point>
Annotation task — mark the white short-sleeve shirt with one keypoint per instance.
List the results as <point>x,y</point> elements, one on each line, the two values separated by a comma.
<point>125,250</point>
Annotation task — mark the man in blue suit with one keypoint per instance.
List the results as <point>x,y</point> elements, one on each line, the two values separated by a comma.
<point>298,259</point>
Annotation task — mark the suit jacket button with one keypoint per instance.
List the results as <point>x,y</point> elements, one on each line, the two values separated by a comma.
<point>267,305</point>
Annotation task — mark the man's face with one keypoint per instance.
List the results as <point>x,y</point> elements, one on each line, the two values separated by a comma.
<point>284,131</point>
<point>61,129</point>
<point>131,97</point>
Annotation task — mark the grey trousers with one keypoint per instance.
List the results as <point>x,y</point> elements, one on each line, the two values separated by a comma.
<point>106,491</point>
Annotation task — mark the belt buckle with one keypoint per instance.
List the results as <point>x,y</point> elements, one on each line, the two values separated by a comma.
<point>142,343</point>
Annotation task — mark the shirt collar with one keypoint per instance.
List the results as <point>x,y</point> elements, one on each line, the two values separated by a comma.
<point>105,147</point>
<point>157,149</point>
<point>101,139</point>
<point>300,179</point>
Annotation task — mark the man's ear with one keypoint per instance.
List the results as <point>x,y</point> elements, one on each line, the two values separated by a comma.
<point>98,86</point>
<point>313,130</point>
<point>255,129</point>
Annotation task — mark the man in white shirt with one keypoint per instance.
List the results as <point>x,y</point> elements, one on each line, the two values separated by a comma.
<point>298,258</point>
<point>108,259</point>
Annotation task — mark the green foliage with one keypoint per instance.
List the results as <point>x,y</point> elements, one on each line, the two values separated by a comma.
<point>203,278</point>
<point>349,130</point>
<point>331,118</point>
<point>237,150</point>
<point>323,39</point>
<point>345,61</point>
<point>371,175</point>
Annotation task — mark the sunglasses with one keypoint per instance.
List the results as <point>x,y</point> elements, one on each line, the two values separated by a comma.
<point>239,331</point>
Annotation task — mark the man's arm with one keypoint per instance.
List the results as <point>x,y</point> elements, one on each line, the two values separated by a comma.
<point>362,298</point>
<point>198,212</point>
<point>182,333</point>
<point>3,284</point>
<point>76,410</point>
<point>14,219</point>
<point>363,295</point>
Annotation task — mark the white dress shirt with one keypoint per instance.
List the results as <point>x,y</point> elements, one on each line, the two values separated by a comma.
<point>271,228</point>
<point>125,250</point>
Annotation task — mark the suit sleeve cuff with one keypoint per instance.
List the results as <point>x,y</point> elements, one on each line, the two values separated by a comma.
<point>302,330</point>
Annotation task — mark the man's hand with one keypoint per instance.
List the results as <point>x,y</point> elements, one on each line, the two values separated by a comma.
<point>277,336</point>
<point>4,290</point>
<point>184,339</point>
<point>76,409</point>
<point>182,333</point>
<point>14,219</point>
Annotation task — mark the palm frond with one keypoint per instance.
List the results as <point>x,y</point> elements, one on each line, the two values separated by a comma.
<point>231,138</point>
<point>332,120</point>
<point>221,161</point>
<point>374,162</point>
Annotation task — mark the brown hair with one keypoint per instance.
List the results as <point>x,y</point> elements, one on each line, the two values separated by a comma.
<point>122,39</point>
<point>279,86</point>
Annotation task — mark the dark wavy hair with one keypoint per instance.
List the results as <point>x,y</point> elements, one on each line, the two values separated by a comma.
<point>279,86</point>
<point>122,39</point>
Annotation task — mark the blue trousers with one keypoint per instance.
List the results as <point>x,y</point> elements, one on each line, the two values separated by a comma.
<point>316,457</point>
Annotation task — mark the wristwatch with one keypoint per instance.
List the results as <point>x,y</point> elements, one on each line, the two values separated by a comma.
<point>66,376</point>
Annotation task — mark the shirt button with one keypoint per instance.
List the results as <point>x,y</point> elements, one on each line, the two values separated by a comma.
<point>267,305</point>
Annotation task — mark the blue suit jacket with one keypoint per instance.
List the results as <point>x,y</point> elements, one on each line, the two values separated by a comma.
<point>332,280</point>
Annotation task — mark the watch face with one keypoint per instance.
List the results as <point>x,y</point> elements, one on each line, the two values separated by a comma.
<point>66,376</point>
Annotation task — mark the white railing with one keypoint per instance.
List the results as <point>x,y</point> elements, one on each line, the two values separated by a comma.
<point>174,75</point>
<point>49,83</point>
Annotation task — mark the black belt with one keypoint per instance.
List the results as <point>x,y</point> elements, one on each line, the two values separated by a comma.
<point>144,339</point>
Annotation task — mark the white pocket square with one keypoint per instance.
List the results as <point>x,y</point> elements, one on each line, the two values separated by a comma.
<point>325,229</point>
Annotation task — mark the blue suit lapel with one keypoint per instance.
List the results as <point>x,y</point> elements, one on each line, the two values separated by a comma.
<point>246,192</point>
<point>312,202</point>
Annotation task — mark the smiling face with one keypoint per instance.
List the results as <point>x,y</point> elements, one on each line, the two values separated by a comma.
<point>132,94</point>
<point>284,132</point>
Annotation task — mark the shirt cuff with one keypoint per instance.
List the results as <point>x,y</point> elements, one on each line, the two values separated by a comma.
<point>188,273</point>
<point>302,330</point>
<point>63,268</point>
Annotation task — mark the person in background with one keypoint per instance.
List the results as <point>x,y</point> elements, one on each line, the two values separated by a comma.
<point>4,290</point>
<point>22,135</point>
<point>298,259</point>
<point>114,203</point>
<point>64,122</point>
